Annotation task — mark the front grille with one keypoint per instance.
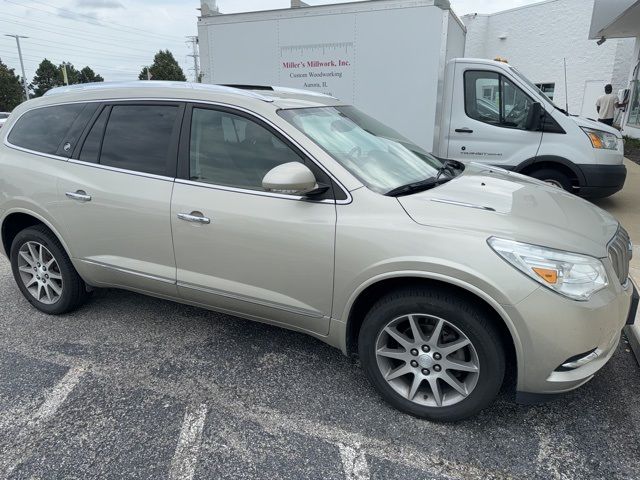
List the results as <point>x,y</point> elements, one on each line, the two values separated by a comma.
<point>620,253</point>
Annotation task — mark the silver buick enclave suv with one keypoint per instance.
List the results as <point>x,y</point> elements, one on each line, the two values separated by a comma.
<point>292,208</point>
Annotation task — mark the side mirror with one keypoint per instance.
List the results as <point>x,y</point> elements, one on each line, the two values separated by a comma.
<point>534,118</point>
<point>292,178</point>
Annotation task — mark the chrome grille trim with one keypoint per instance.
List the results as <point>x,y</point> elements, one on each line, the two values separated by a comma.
<point>620,253</point>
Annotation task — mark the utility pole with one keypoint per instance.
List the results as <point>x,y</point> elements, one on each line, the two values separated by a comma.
<point>24,77</point>
<point>193,40</point>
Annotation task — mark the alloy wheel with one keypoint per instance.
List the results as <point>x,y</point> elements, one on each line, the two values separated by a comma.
<point>40,272</point>
<point>427,360</point>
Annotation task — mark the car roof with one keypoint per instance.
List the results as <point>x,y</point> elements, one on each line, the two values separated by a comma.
<point>242,95</point>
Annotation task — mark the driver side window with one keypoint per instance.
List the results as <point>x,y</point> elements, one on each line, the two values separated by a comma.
<point>491,98</point>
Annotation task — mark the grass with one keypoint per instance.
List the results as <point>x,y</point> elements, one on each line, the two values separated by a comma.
<point>632,148</point>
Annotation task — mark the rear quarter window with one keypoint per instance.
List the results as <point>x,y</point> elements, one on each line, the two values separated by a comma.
<point>44,129</point>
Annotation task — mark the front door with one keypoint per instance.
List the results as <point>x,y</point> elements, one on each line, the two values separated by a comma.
<point>488,120</point>
<point>238,248</point>
<point>115,196</point>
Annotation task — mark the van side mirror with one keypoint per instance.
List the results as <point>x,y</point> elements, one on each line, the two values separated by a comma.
<point>534,118</point>
<point>293,178</point>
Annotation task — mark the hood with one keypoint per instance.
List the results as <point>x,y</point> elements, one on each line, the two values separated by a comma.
<point>589,123</point>
<point>498,203</point>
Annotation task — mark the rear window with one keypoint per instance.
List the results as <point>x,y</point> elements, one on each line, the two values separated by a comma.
<point>44,129</point>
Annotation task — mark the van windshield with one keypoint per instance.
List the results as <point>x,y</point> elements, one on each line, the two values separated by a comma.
<point>532,85</point>
<point>378,156</point>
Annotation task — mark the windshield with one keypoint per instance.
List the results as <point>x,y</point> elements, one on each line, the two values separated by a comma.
<point>378,156</point>
<point>535,88</point>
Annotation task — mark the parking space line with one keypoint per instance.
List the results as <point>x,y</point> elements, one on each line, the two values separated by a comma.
<point>354,462</point>
<point>53,399</point>
<point>184,460</point>
<point>58,395</point>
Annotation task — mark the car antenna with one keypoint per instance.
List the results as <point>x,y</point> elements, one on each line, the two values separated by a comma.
<point>566,89</point>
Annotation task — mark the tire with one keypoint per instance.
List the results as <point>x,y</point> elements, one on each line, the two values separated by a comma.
<point>553,177</point>
<point>60,276</point>
<point>459,319</point>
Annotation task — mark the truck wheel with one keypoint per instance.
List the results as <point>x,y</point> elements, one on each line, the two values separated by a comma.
<point>44,273</point>
<point>553,177</point>
<point>431,354</point>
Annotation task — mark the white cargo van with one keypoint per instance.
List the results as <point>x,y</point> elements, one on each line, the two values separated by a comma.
<point>402,61</point>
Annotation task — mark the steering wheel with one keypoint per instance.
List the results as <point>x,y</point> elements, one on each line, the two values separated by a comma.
<point>355,152</point>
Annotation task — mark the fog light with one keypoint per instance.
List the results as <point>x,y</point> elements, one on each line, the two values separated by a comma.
<point>579,360</point>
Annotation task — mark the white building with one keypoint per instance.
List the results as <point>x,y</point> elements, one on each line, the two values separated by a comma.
<point>614,19</point>
<point>538,38</point>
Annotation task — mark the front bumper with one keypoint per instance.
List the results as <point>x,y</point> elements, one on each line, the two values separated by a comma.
<point>601,181</point>
<point>554,330</point>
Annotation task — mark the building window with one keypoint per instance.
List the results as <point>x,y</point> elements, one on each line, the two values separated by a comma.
<point>547,88</point>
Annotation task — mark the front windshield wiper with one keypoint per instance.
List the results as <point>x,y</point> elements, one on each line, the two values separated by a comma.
<point>448,166</point>
<point>421,186</point>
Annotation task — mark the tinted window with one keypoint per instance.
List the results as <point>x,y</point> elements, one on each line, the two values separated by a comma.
<point>44,129</point>
<point>492,98</point>
<point>91,147</point>
<point>138,137</point>
<point>231,150</point>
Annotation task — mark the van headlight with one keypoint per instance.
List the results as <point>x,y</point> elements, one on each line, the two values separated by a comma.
<point>575,276</point>
<point>601,140</point>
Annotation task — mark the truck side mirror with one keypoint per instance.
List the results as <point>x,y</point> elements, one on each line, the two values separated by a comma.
<point>534,118</point>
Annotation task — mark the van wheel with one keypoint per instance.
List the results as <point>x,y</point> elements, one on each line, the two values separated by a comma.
<point>432,354</point>
<point>553,177</point>
<point>44,273</point>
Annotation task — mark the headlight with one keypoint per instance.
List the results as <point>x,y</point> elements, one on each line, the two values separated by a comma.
<point>601,140</point>
<point>570,274</point>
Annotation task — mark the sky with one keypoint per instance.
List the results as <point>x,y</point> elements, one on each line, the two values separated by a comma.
<point>118,37</point>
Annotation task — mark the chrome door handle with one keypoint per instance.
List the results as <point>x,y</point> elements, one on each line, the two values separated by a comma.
<point>79,195</point>
<point>194,217</point>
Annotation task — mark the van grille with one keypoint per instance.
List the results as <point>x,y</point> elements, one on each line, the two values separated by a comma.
<point>620,253</point>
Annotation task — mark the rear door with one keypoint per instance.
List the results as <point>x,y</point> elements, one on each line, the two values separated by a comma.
<point>488,119</point>
<point>115,195</point>
<point>239,248</point>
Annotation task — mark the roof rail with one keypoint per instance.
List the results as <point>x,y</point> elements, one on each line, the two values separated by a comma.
<point>156,84</point>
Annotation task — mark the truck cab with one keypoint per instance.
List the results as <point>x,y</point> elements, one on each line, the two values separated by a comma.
<point>493,114</point>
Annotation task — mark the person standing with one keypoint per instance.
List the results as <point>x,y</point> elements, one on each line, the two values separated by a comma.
<point>606,105</point>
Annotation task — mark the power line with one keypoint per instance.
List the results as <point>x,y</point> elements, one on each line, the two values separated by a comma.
<point>91,19</point>
<point>73,36</point>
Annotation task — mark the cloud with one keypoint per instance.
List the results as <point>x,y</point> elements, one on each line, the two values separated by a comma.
<point>99,4</point>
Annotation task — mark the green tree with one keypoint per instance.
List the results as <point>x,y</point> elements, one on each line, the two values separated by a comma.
<point>11,92</point>
<point>164,67</point>
<point>47,77</point>
<point>87,75</point>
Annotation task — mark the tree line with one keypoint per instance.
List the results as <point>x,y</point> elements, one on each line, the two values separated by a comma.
<point>48,76</point>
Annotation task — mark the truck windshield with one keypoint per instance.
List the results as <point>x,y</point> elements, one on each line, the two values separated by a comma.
<point>378,156</point>
<point>533,86</point>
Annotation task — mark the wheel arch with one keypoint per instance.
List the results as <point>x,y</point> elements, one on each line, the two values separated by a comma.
<point>364,298</point>
<point>553,162</point>
<point>16,220</point>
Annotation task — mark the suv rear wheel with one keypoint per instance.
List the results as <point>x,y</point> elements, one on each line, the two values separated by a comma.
<point>44,273</point>
<point>431,354</point>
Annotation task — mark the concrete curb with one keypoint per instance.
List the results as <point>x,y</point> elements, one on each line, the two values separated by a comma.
<point>633,335</point>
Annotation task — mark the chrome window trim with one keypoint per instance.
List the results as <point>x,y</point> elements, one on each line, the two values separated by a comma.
<point>346,201</point>
<point>255,301</point>
<point>121,170</point>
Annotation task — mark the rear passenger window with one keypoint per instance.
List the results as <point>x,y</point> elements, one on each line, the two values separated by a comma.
<point>138,138</point>
<point>44,129</point>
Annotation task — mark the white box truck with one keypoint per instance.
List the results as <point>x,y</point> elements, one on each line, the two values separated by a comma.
<point>401,61</point>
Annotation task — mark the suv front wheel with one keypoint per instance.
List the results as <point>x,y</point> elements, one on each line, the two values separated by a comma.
<point>44,273</point>
<point>432,354</point>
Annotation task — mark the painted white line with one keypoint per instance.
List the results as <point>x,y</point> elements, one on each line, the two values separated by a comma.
<point>52,402</point>
<point>354,462</point>
<point>58,395</point>
<point>184,461</point>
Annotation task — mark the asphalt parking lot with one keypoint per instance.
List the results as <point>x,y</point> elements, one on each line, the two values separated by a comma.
<point>134,387</point>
